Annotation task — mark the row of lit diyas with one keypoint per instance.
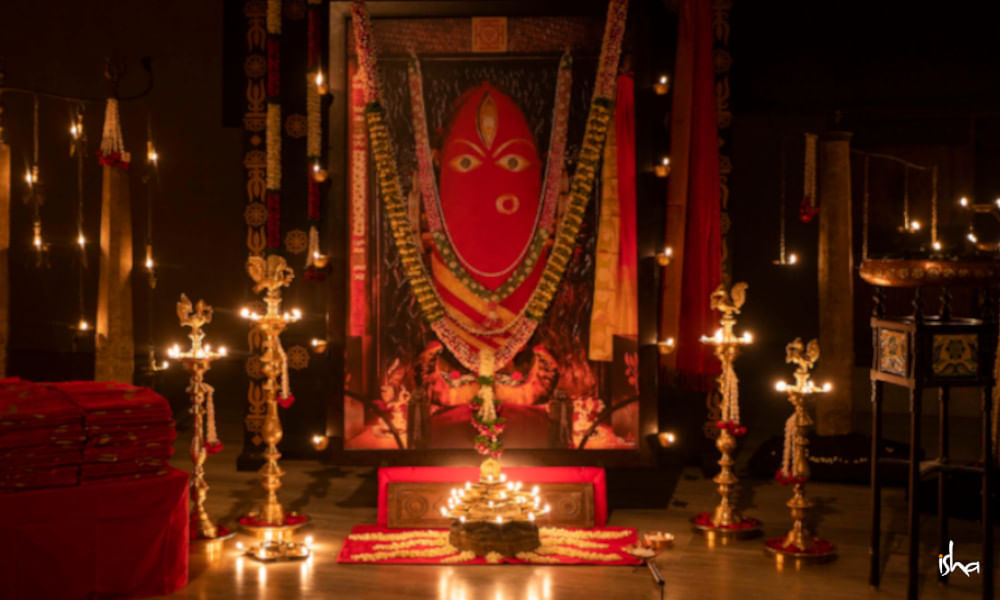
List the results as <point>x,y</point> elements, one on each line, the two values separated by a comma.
<point>494,499</point>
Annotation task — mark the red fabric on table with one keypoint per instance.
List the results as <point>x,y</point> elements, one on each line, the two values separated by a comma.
<point>126,477</point>
<point>124,418</point>
<point>527,475</point>
<point>40,477</point>
<point>125,467</point>
<point>111,454</point>
<point>354,547</point>
<point>107,539</point>
<point>39,457</point>
<point>134,435</point>
<point>25,404</point>
<point>41,436</point>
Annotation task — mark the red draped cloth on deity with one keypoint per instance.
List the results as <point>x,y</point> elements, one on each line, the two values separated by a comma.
<point>694,198</point>
<point>117,539</point>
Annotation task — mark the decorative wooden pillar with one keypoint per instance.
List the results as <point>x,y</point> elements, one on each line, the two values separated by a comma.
<point>4,236</point>
<point>4,249</point>
<point>115,343</point>
<point>836,282</point>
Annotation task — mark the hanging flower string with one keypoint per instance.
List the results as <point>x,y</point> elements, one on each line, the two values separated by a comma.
<point>316,88</point>
<point>804,357</point>
<point>36,197</point>
<point>485,419</point>
<point>112,152</point>
<point>784,475</point>
<point>213,445</point>
<point>273,123</point>
<point>808,209</point>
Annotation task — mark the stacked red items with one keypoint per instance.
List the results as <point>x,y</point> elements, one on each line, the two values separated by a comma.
<point>130,430</point>
<point>41,437</point>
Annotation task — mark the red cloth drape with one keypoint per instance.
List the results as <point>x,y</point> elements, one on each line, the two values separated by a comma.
<point>625,145</point>
<point>118,539</point>
<point>694,147</point>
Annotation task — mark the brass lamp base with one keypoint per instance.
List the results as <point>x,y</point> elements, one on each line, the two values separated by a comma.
<point>271,532</point>
<point>739,528</point>
<point>202,540</point>
<point>274,542</point>
<point>277,550</point>
<point>816,549</point>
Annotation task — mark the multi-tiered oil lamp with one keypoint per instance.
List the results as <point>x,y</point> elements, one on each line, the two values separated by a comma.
<point>725,519</point>
<point>271,524</point>
<point>197,360</point>
<point>798,542</point>
<point>494,514</point>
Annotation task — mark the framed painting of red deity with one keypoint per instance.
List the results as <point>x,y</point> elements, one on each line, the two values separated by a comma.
<point>492,268</point>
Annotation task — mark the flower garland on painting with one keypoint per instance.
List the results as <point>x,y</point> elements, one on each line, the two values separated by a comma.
<point>581,188</point>
<point>273,123</point>
<point>485,420</point>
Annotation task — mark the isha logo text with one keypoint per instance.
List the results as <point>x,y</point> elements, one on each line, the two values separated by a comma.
<point>947,563</point>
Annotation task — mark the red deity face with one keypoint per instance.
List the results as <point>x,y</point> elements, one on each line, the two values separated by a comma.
<point>490,184</point>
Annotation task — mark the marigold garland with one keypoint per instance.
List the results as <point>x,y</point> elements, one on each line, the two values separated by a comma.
<point>429,543</point>
<point>405,535</point>
<point>581,534</point>
<point>534,557</point>
<point>406,544</point>
<point>460,557</point>
<point>420,553</point>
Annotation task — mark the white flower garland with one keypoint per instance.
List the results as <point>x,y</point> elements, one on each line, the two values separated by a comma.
<point>111,139</point>
<point>786,453</point>
<point>730,388</point>
<point>211,434</point>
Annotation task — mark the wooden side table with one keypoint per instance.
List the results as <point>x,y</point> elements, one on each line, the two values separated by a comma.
<point>919,352</point>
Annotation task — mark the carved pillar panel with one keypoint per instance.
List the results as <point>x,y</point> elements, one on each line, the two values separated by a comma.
<point>115,343</point>
<point>836,282</point>
<point>4,252</point>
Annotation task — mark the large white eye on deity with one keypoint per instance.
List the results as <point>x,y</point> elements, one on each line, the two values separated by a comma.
<point>515,163</point>
<point>463,163</point>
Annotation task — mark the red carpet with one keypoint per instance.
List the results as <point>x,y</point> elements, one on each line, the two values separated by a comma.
<point>376,544</point>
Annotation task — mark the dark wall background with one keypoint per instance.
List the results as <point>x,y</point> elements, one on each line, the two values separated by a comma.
<point>916,80</point>
<point>198,225</point>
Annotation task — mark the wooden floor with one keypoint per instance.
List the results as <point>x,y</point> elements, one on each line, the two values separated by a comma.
<point>338,498</point>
